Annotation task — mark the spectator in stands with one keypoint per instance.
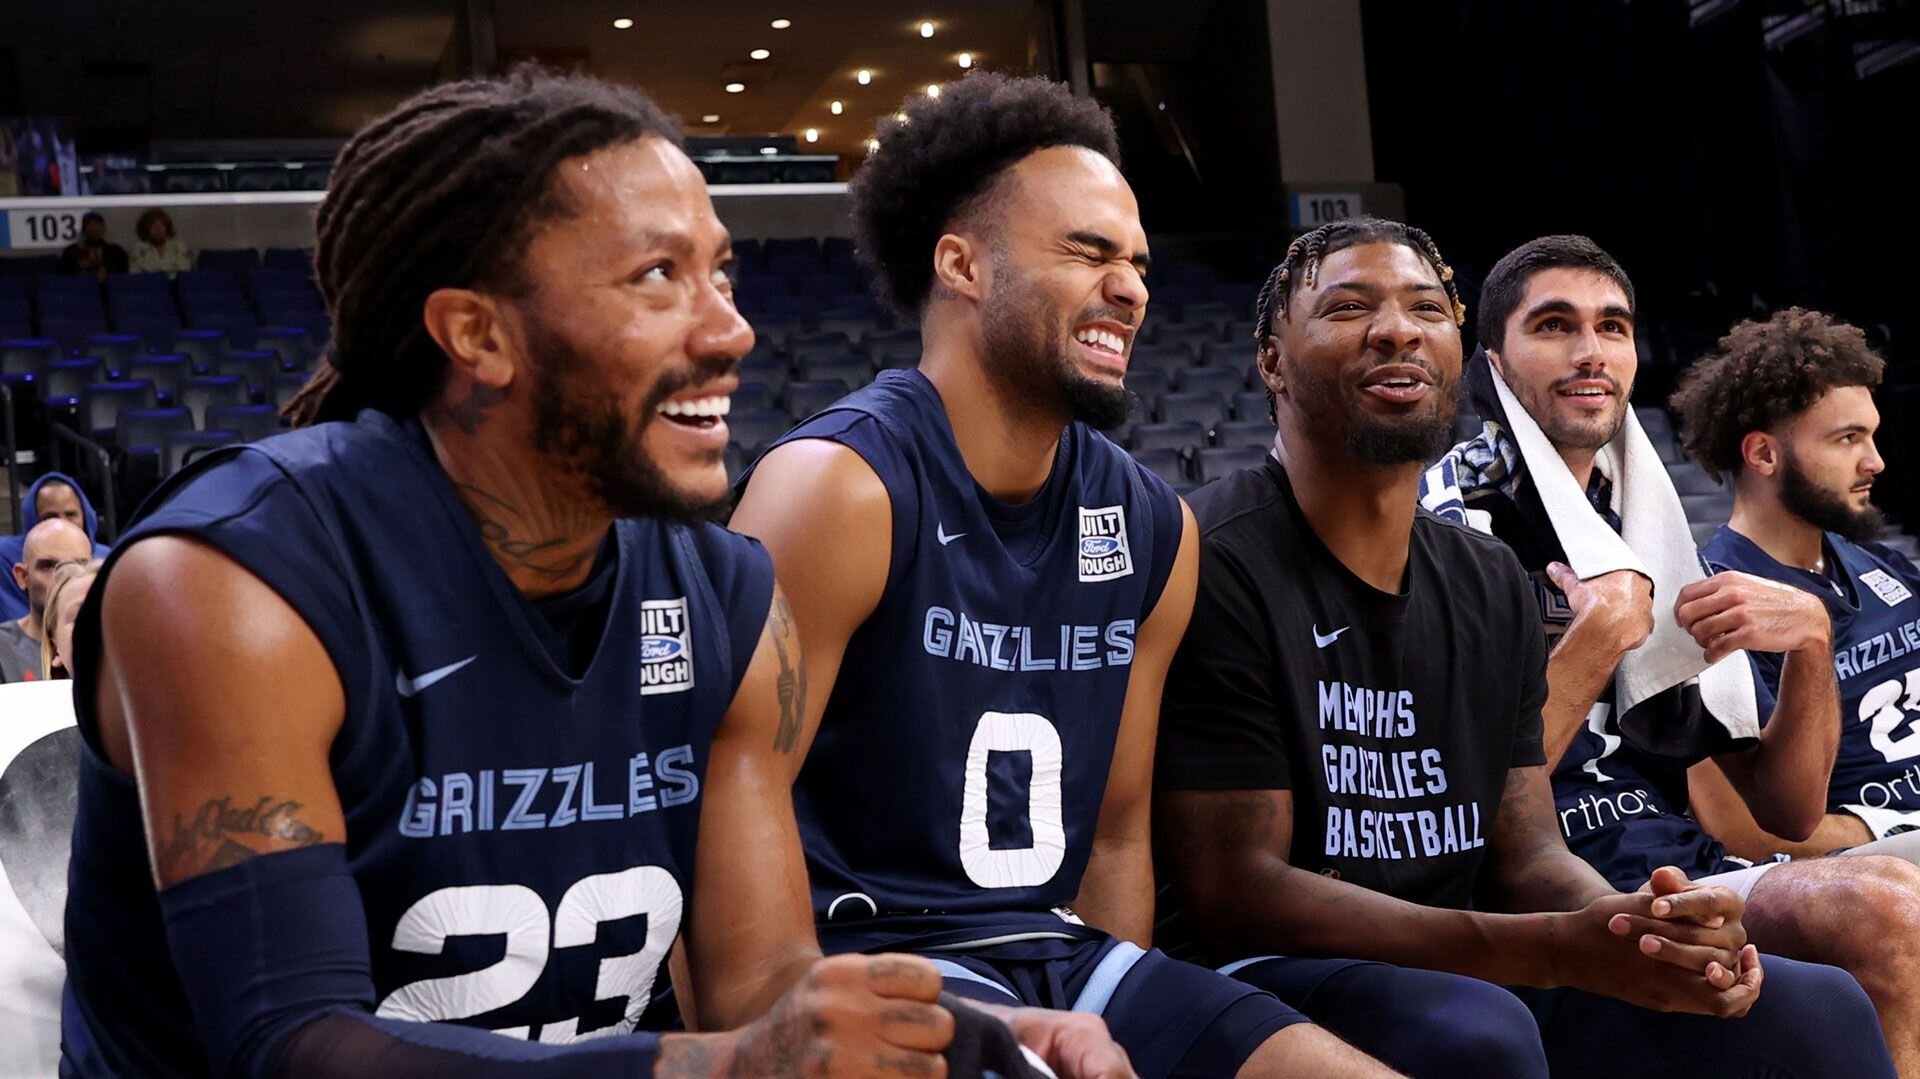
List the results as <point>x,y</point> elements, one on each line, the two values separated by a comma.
<point>55,494</point>
<point>156,248</point>
<point>52,545</point>
<point>70,588</point>
<point>92,254</point>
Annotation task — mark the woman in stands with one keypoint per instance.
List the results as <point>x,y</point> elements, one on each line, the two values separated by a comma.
<point>157,249</point>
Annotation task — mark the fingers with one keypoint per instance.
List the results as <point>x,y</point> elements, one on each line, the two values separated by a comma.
<point>1689,612</point>
<point>1624,925</point>
<point>1693,957</point>
<point>907,1024</point>
<point>1707,906</point>
<point>905,976</point>
<point>1667,880</point>
<point>1562,576</point>
<point>1739,1000</point>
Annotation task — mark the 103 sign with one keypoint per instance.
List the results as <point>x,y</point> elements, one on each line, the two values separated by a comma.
<point>1313,209</point>
<point>40,228</point>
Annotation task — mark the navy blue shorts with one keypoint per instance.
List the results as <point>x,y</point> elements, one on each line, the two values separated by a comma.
<point>1172,1018</point>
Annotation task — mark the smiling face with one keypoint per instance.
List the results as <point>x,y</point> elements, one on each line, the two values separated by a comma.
<point>629,333</point>
<point>1068,289</point>
<point>1368,356</point>
<point>1568,356</point>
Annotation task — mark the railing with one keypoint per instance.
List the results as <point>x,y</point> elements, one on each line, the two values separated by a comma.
<point>93,453</point>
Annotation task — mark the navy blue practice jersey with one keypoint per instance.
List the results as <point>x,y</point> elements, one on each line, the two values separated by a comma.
<point>522,839</point>
<point>961,764</point>
<point>1870,595</point>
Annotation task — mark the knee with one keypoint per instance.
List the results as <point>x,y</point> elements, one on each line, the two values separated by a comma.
<point>1881,921</point>
<point>1483,1030</point>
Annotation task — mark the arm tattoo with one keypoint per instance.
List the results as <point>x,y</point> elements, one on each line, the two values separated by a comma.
<point>792,683</point>
<point>469,414</point>
<point>1535,871</point>
<point>546,557</point>
<point>212,838</point>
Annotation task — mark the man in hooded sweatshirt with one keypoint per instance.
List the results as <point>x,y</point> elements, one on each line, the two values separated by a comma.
<point>55,494</point>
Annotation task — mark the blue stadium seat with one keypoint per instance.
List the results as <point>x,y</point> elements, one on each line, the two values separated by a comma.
<point>138,284</point>
<point>258,366</point>
<point>750,397</point>
<point>182,448</point>
<point>1715,508</point>
<point>1689,479</point>
<point>804,398</point>
<point>240,329</point>
<point>62,381</point>
<point>802,309</point>
<point>755,430</point>
<point>856,328</point>
<point>860,305</point>
<point>118,349</point>
<point>1251,405</point>
<point>201,306</point>
<point>1192,338</point>
<point>893,348</point>
<point>770,371</point>
<point>73,307</point>
<point>102,402</point>
<point>291,342</point>
<point>201,347</point>
<point>166,372</point>
<point>1234,354</point>
<point>10,328</point>
<point>838,251</point>
<point>53,284</point>
<point>818,346</point>
<point>1215,380</point>
<point>1240,332</point>
<point>1257,434</point>
<point>1205,409</point>
<point>297,259</point>
<point>145,430</point>
<point>802,246</point>
<point>751,293</point>
<point>198,394</point>
<point>260,279</point>
<point>236,260</point>
<point>206,282</point>
<point>855,371</point>
<point>1237,298</point>
<point>159,332</point>
<point>70,332</point>
<point>146,305</point>
<point>1149,384</point>
<point>26,355</point>
<point>1164,463</point>
<point>1158,357</point>
<point>1217,461</point>
<point>287,386</point>
<point>250,422</point>
<point>1184,437</point>
<point>793,267</point>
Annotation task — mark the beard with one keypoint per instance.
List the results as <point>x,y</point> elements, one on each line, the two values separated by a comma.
<point>1823,509</point>
<point>578,425</point>
<point>1419,436</point>
<point>1029,357</point>
<point>1567,432</point>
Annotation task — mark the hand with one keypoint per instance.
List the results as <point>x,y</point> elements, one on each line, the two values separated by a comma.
<point>851,1015</point>
<point>1694,926</point>
<point>1074,1044</point>
<point>1617,606</point>
<point>1738,610</point>
<point>1588,954</point>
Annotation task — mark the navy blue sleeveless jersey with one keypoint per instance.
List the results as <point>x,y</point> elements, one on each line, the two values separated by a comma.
<point>1876,658</point>
<point>962,760</point>
<point>523,840</point>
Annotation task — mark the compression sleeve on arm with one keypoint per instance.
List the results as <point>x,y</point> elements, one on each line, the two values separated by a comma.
<point>273,955</point>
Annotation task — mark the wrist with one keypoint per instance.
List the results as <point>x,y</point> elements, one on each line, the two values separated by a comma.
<point>691,1056</point>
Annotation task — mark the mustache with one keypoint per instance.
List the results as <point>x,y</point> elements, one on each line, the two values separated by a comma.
<point>1106,312</point>
<point>1411,359</point>
<point>702,369</point>
<point>1568,380</point>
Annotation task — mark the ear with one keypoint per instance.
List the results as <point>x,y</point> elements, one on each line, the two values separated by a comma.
<point>960,267</point>
<point>1271,371</point>
<point>468,327</point>
<point>1493,358</point>
<point>20,575</point>
<point>1761,452</point>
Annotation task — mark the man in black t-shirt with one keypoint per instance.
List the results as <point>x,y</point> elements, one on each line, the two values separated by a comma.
<point>1350,760</point>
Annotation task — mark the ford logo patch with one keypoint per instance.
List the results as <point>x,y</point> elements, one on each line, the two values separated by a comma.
<point>657,648</point>
<point>1099,546</point>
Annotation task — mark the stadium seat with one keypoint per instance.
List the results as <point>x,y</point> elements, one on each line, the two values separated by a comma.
<point>1715,508</point>
<point>202,307</point>
<point>240,329</point>
<point>1215,380</point>
<point>258,366</point>
<point>1217,461</point>
<point>291,342</point>
<point>1184,437</point>
<point>287,386</point>
<point>1251,405</point>
<point>198,394</point>
<point>806,246</point>
<point>1157,357</point>
<point>49,284</point>
<point>296,259</point>
<point>70,332</point>
<point>1190,338</point>
<point>750,397</point>
<point>804,398</point>
<point>88,306</point>
<point>235,260</point>
<point>755,430</point>
<point>1214,316</point>
<point>752,293</point>
<point>1655,422</point>
<point>182,448</point>
<point>1236,298</point>
<point>201,347</point>
<point>1689,479</point>
<point>145,430</point>
<point>821,286</point>
<point>857,328</point>
<point>803,348</point>
<point>1669,451</point>
<point>102,402</point>
<point>250,422</point>
<point>61,381</point>
<point>1164,463</point>
<point>26,355</point>
<point>166,372</point>
<point>852,370</point>
<point>206,282</point>
<point>118,349</point>
<point>1235,434</point>
<point>159,332</point>
<point>138,284</point>
<point>769,371</point>
<point>800,309</point>
<point>1233,354</point>
<point>893,348</point>
<point>1206,409</point>
<point>1149,385</point>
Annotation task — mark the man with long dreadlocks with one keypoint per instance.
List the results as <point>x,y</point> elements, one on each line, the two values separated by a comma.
<point>1351,799</point>
<point>498,722</point>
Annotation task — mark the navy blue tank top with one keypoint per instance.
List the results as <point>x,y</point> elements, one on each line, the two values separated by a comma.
<point>962,760</point>
<point>523,840</point>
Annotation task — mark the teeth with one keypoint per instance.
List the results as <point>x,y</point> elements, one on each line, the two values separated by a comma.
<point>699,406</point>
<point>1109,341</point>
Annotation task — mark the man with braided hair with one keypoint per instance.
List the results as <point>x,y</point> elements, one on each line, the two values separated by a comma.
<point>497,721</point>
<point>988,592</point>
<point>1352,804</point>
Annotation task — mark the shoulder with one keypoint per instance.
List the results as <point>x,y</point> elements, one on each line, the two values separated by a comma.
<point>1245,503</point>
<point>1462,553</point>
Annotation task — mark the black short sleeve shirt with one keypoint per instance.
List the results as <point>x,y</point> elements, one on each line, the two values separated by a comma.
<point>1392,718</point>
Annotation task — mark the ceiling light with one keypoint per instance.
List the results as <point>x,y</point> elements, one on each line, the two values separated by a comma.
<point>769,149</point>
<point>863,76</point>
<point>933,89</point>
<point>736,87</point>
<point>872,145</point>
<point>623,24</point>
<point>835,108</point>
<point>760,54</point>
<point>710,118</point>
<point>900,117</point>
<point>926,29</point>
<point>781,24</point>
<point>966,59</point>
<point>813,134</point>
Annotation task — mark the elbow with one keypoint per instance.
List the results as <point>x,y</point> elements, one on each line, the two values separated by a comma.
<point>1793,822</point>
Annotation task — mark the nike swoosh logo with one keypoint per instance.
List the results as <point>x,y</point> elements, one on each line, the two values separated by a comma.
<point>408,687</point>
<point>1322,640</point>
<point>940,533</point>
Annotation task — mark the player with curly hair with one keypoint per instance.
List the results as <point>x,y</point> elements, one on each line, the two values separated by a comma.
<point>989,592</point>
